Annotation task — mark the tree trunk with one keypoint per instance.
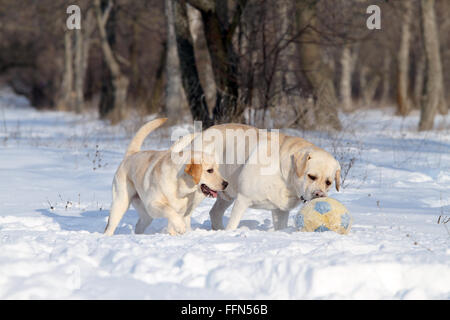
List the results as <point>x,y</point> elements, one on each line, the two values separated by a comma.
<point>158,87</point>
<point>434,84</point>
<point>443,106</point>
<point>218,34</point>
<point>76,48</point>
<point>174,101</point>
<point>189,74</point>
<point>202,57</point>
<point>79,76</point>
<point>346,78</point>
<point>403,99</point>
<point>136,87</point>
<point>369,92</point>
<point>116,111</point>
<point>65,100</point>
<point>284,79</point>
<point>224,65</point>
<point>316,71</point>
<point>286,91</point>
<point>386,78</point>
<point>419,79</point>
<point>367,85</point>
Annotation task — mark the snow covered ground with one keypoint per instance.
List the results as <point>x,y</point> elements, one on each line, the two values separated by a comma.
<point>55,179</point>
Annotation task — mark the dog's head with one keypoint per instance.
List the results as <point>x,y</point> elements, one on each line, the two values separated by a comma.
<point>205,174</point>
<point>314,171</point>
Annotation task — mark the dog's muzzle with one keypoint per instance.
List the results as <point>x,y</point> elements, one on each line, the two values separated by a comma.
<point>208,191</point>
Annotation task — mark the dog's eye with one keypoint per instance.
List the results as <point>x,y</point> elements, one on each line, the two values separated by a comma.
<point>328,182</point>
<point>312,177</point>
<point>210,170</point>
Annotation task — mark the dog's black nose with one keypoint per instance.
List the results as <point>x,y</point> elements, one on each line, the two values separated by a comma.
<point>319,194</point>
<point>224,184</point>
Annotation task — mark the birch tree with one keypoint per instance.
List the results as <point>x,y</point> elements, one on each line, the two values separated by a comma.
<point>77,44</point>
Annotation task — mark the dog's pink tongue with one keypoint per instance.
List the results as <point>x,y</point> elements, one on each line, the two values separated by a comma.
<point>214,193</point>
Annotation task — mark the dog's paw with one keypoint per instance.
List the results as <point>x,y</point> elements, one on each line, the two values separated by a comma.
<point>108,233</point>
<point>217,226</point>
<point>176,228</point>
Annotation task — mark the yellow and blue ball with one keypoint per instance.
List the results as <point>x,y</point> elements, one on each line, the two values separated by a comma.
<point>324,214</point>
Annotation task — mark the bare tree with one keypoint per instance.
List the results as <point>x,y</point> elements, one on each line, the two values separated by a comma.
<point>270,63</point>
<point>202,57</point>
<point>368,81</point>
<point>77,44</point>
<point>419,78</point>
<point>219,34</point>
<point>189,74</point>
<point>156,96</point>
<point>348,60</point>
<point>285,78</point>
<point>434,83</point>
<point>386,76</point>
<point>173,90</point>
<point>65,99</point>
<point>114,110</point>
<point>318,73</point>
<point>403,99</point>
<point>83,39</point>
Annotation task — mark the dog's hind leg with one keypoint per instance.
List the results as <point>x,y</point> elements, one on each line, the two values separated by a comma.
<point>176,224</point>
<point>121,194</point>
<point>217,212</point>
<point>280,219</point>
<point>144,218</point>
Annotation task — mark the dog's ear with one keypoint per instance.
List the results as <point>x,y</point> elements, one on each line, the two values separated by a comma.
<point>194,170</point>
<point>337,179</point>
<point>299,161</point>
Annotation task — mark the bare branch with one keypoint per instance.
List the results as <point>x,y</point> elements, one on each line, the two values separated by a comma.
<point>107,51</point>
<point>105,16</point>
<point>122,59</point>
<point>203,5</point>
<point>240,6</point>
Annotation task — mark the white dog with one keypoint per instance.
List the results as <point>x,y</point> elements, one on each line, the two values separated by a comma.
<point>301,171</point>
<point>159,187</point>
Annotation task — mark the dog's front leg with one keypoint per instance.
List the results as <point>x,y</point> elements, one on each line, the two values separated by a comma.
<point>240,205</point>
<point>176,223</point>
<point>187,222</point>
<point>176,227</point>
<point>199,197</point>
<point>217,212</point>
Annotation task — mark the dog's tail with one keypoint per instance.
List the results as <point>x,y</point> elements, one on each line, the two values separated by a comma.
<point>143,132</point>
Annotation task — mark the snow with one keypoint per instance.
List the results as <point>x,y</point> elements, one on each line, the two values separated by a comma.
<point>56,171</point>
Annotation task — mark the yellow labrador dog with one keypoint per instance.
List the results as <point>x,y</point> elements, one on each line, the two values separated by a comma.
<point>301,172</point>
<point>158,187</point>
